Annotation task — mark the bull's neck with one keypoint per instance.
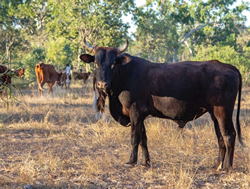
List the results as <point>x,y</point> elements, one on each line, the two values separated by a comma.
<point>120,77</point>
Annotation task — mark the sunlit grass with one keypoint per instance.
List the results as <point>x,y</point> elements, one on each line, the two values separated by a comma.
<point>56,143</point>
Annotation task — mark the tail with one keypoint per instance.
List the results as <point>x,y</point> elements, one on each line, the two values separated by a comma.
<point>38,75</point>
<point>40,87</point>
<point>238,111</point>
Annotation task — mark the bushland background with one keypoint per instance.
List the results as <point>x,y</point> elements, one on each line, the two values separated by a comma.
<point>55,142</point>
<point>52,31</point>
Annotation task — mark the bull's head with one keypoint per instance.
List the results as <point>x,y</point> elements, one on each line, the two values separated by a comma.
<point>105,60</point>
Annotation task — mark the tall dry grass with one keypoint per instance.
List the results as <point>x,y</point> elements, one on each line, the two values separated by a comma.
<point>56,143</point>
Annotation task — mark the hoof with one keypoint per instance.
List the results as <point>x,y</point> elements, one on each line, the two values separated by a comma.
<point>218,166</point>
<point>226,170</point>
<point>147,164</point>
<point>130,164</point>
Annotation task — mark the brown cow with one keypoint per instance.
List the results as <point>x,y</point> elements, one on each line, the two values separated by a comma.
<point>65,80</point>
<point>5,78</point>
<point>99,100</point>
<point>181,91</point>
<point>46,73</point>
<point>19,72</point>
<point>79,76</point>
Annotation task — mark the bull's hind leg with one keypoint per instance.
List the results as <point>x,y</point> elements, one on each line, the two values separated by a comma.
<point>222,148</point>
<point>50,89</point>
<point>227,131</point>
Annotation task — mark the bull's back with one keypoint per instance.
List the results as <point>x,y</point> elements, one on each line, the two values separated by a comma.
<point>183,91</point>
<point>190,80</point>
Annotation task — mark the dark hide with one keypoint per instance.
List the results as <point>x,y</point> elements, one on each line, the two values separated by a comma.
<point>5,78</point>
<point>46,73</point>
<point>180,91</point>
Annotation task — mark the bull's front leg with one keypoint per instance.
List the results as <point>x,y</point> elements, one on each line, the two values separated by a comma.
<point>143,144</point>
<point>138,136</point>
<point>135,141</point>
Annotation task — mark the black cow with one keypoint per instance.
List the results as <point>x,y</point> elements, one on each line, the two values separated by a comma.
<point>180,91</point>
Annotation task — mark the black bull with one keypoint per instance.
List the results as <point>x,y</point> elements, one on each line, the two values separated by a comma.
<point>180,91</point>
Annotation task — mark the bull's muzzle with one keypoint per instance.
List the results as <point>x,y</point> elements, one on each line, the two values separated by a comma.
<point>102,85</point>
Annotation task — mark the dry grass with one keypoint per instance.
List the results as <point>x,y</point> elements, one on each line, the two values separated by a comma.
<point>55,143</point>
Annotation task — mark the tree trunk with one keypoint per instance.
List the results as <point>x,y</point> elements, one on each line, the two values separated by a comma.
<point>9,41</point>
<point>8,56</point>
<point>175,55</point>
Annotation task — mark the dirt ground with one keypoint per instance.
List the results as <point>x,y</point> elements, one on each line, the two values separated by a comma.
<point>55,142</point>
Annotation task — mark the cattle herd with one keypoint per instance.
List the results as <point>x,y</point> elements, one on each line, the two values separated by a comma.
<point>138,89</point>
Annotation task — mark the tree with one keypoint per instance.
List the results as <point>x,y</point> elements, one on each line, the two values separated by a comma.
<point>10,25</point>
<point>192,23</point>
<point>99,20</point>
<point>59,52</point>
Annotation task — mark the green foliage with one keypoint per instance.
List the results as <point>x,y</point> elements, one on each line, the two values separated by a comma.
<point>53,30</point>
<point>225,54</point>
<point>176,22</point>
<point>31,60</point>
<point>59,52</point>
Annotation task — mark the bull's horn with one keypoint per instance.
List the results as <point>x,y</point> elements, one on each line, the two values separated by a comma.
<point>39,85</point>
<point>122,48</point>
<point>89,47</point>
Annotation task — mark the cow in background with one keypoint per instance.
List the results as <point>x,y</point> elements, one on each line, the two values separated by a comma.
<point>181,91</point>
<point>99,100</point>
<point>66,78</point>
<point>19,72</point>
<point>46,73</point>
<point>81,76</point>
<point>5,78</point>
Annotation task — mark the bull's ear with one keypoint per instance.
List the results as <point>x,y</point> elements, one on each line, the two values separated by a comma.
<point>87,58</point>
<point>123,59</point>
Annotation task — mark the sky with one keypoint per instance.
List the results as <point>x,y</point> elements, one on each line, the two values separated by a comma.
<point>143,2</point>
